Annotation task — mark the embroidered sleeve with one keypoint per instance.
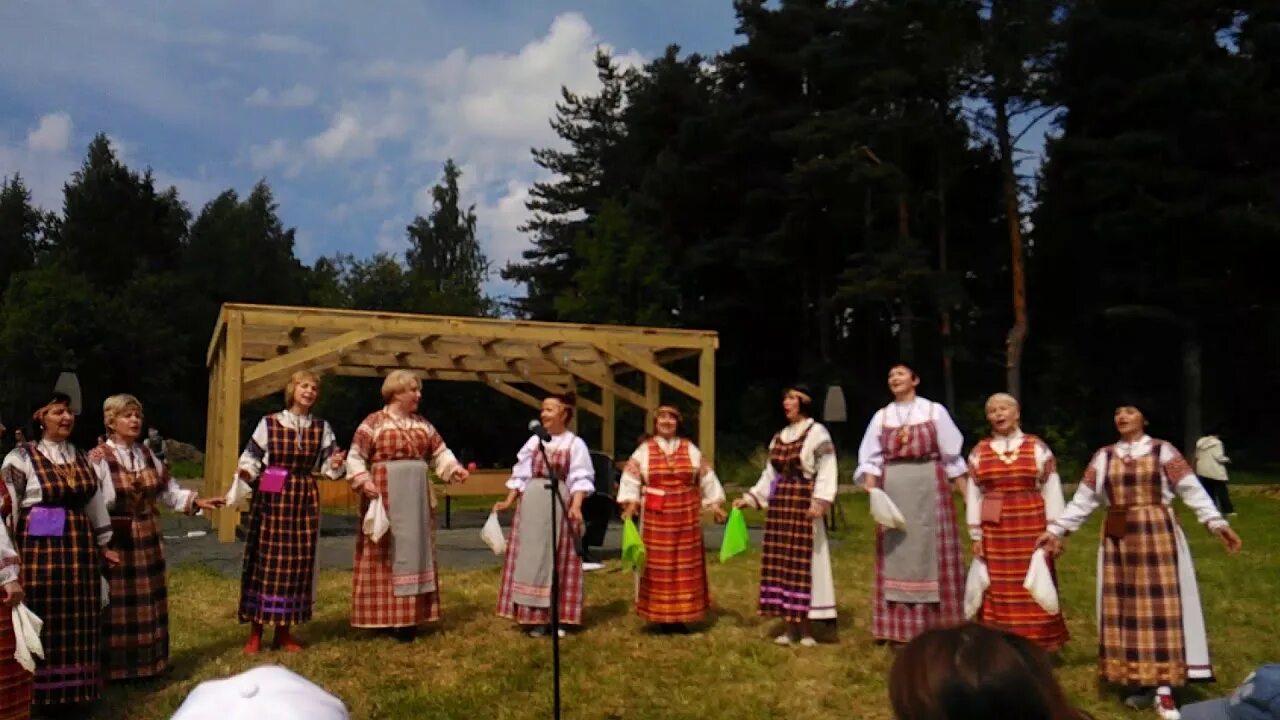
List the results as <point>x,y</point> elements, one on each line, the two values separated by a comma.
<point>254,456</point>
<point>361,451</point>
<point>329,446</point>
<point>522,471</point>
<point>870,453</point>
<point>973,497</point>
<point>819,458</point>
<point>1050,483</point>
<point>1175,466</point>
<point>950,443</point>
<point>439,455</point>
<point>633,474</point>
<point>582,472</point>
<point>17,471</point>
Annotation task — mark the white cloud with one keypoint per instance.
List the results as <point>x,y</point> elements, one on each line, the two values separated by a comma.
<point>284,44</point>
<point>52,135</point>
<point>391,236</point>
<point>351,135</point>
<point>297,96</point>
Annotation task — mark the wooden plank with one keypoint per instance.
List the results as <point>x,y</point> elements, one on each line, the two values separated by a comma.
<point>509,391</point>
<point>299,358</point>
<point>652,397</point>
<point>213,412</point>
<point>218,328</point>
<point>481,482</point>
<point>598,379</point>
<point>608,423</point>
<point>484,329</point>
<point>707,407</point>
<point>650,367</point>
<point>229,421</point>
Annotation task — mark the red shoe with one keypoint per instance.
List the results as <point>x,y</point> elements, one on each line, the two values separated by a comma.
<point>285,641</point>
<point>254,644</point>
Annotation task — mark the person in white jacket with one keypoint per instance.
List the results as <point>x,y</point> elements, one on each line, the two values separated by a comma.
<point>1211,468</point>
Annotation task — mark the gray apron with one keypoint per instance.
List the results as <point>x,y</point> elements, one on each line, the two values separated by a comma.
<point>413,569</point>
<point>532,578</point>
<point>911,554</point>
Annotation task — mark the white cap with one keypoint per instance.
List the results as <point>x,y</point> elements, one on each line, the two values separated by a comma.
<point>269,691</point>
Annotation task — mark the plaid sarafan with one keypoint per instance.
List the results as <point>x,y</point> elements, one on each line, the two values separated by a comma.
<point>277,582</point>
<point>1009,543</point>
<point>672,588</point>
<point>381,439</point>
<point>567,560</point>
<point>900,622</point>
<point>1140,635</point>
<point>61,578</point>
<point>15,681</point>
<point>786,574</point>
<point>137,622</point>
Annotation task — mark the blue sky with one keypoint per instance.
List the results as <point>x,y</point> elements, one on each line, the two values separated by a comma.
<point>348,111</point>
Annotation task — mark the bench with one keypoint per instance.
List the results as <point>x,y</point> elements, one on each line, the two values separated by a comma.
<point>481,483</point>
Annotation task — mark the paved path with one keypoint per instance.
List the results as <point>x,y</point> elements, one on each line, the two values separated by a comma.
<point>459,547</point>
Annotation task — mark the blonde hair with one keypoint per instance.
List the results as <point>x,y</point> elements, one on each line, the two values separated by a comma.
<point>117,405</point>
<point>296,379</point>
<point>397,382</point>
<point>1003,397</point>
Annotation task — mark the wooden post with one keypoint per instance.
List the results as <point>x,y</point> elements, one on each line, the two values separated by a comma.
<point>652,397</point>
<point>608,422</point>
<point>210,486</point>
<point>707,409</point>
<point>229,422</point>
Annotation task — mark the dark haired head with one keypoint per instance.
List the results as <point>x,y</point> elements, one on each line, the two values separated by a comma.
<point>674,412</point>
<point>906,366</point>
<point>973,672</point>
<point>805,395</point>
<point>569,400</point>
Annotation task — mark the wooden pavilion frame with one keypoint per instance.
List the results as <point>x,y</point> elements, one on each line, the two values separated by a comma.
<point>255,348</point>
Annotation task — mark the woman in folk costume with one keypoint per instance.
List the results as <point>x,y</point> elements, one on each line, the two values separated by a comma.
<point>1013,491</point>
<point>668,482</point>
<point>912,451</point>
<point>525,594</point>
<point>796,488</point>
<point>396,585</point>
<point>287,448</point>
<point>137,623</point>
<point>15,681</point>
<point>58,519</point>
<point>1151,630</point>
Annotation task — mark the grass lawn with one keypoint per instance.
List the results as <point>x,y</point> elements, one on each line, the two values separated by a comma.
<point>478,666</point>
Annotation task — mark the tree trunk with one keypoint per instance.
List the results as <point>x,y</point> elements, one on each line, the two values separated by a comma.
<point>906,318</point>
<point>948,352</point>
<point>1018,333</point>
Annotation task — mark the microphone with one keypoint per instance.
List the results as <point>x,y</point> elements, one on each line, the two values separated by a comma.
<point>535,427</point>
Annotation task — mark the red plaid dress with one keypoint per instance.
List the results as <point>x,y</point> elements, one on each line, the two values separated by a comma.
<point>1009,543</point>
<point>61,577</point>
<point>277,582</point>
<point>900,622</point>
<point>567,559</point>
<point>137,631</point>
<point>373,601</point>
<point>15,681</point>
<point>673,586</point>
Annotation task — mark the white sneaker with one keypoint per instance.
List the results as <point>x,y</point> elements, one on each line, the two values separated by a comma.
<point>783,639</point>
<point>1165,707</point>
<point>808,641</point>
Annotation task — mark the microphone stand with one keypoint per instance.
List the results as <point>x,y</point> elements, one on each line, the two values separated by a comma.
<point>553,485</point>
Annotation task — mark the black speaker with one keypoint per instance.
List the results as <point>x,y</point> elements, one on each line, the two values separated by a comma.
<point>601,506</point>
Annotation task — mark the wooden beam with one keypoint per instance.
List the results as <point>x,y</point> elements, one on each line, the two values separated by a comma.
<point>229,421</point>
<point>608,423</point>
<point>480,328</point>
<point>311,353</point>
<point>707,405</point>
<point>219,327</point>
<point>652,397</point>
<point>649,367</point>
<point>509,391</point>
<point>600,380</point>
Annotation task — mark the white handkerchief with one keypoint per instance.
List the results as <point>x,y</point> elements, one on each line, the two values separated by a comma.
<point>1040,583</point>
<point>975,586</point>
<point>885,512</point>
<point>376,522</point>
<point>26,631</point>
<point>491,533</point>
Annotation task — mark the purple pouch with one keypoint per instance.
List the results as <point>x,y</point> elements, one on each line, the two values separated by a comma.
<point>272,480</point>
<point>47,521</point>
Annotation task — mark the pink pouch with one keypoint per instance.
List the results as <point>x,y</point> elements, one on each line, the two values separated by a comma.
<point>47,521</point>
<point>272,480</point>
